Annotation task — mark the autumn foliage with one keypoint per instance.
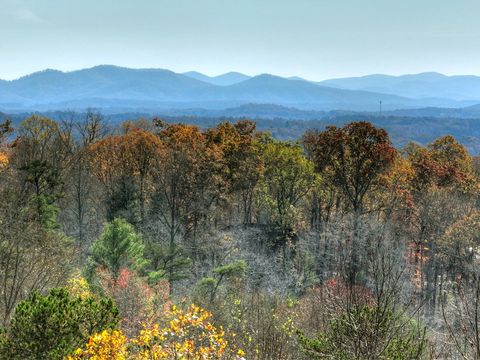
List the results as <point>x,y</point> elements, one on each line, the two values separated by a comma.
<point>336,245</point>
<point>189,334</point>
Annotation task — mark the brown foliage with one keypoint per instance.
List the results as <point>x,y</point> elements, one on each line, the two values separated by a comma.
<point>352,158</point>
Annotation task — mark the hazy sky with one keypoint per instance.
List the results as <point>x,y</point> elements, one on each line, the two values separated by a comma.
<point>316,39</point>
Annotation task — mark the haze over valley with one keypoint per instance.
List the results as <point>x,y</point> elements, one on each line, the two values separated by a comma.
<point>118,89</point>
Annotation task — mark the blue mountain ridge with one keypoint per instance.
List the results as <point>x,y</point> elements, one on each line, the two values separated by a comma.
<point>124,89</point>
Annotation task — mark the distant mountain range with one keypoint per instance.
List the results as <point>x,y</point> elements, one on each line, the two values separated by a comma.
<point>418,86</point>
<point>117,89</point>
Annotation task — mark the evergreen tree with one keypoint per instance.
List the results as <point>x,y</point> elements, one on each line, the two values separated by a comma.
<point>52,326</point>
<point>118,247</point>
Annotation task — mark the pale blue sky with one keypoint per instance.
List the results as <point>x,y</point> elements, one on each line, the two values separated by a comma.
<point>316,39</point>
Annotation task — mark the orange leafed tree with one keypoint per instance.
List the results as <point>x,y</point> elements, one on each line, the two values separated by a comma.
<point>352,158</point>
<point>240,159</point>
<point>187,178</point>
<point>125,164</point>
<point>443,163</point>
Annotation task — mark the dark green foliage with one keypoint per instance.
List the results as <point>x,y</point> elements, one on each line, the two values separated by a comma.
<point>210,285</point>
<point>166,261</point>
<point>46,211</point>
<point>52,326</point>
<point>123,201</point>
<point>118,247</point>
<point>41,174</point>
<point>367,332</point>
<point>236,268</point>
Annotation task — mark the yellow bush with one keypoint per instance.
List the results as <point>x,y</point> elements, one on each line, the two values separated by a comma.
<point>78,286</point>
<point>190,335</point>
<point>109,345</point>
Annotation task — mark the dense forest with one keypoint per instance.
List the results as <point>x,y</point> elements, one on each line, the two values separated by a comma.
<point>403,126</point>
<point>158,240</point>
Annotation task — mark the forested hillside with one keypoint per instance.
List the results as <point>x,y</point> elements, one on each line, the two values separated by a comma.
<point>290,123</point>
<point>159,240</point>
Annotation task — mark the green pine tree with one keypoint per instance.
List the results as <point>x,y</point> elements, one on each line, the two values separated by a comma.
<point>52,326</point>
<point>118,247</point>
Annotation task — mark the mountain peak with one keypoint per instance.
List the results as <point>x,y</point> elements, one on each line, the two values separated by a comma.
<point>42,73</point>
<point>226,79</point>
<point>426,76</point>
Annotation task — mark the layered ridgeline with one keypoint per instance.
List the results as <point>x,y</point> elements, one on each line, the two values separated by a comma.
<point>121,89</point>
<point>418,86</point>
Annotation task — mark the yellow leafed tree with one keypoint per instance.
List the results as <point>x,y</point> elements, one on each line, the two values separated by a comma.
<point>189,335</point>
